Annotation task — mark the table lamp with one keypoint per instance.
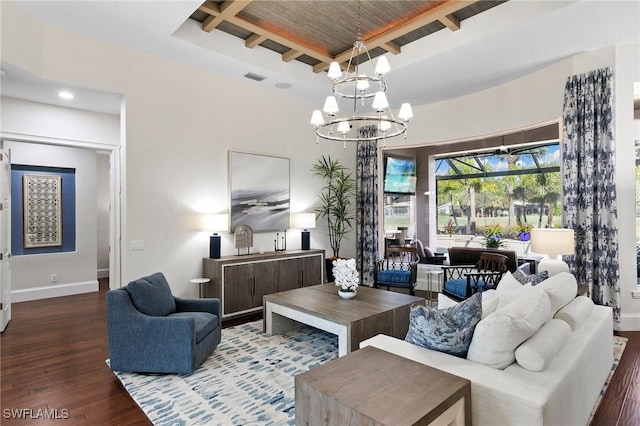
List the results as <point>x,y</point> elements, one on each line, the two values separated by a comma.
<point>215,223</point>
<point>554,242</point>
<point>305,221</point>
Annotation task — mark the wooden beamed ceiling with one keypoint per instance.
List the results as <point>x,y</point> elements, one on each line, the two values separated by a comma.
<point>319,32</point>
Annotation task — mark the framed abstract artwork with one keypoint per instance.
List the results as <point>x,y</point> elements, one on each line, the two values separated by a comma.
<point>258,191</point>
<point>42,210</point>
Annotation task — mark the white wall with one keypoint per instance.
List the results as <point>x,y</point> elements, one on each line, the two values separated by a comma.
<point>179,125</point>
<point>76,271</point>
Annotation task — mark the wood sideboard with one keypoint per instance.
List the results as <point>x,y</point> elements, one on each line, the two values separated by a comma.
<point>241,281</point>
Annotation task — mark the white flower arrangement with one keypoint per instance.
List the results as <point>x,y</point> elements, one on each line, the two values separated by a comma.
<point>345,274</point>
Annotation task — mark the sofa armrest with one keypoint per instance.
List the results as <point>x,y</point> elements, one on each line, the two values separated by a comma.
<point>211,305</point>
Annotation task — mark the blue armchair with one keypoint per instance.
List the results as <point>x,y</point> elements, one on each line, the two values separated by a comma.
<point>151,331</point>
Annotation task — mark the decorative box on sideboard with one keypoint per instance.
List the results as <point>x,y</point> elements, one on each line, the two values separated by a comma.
<point>241,281</point>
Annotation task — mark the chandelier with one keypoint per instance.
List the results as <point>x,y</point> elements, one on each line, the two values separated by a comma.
<point>353,90</point>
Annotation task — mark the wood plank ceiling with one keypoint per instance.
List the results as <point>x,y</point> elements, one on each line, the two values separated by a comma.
<point>317,32</point>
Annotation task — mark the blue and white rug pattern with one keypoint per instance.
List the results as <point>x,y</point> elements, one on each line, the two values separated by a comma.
<point>248,380</point>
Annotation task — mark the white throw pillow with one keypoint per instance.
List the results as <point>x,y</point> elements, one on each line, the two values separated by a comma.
<point>497,336</point>
<point>562,289</point>
<point>445,302</point>
<point>576,311</point>
<point>490,302</point>
<point>538,350</point>
<point>509,289</point>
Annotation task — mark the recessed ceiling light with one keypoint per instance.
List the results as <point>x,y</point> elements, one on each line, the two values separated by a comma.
<point>65,94</point>
<point>283,85</point>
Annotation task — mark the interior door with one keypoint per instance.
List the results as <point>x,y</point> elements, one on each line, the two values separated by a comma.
<point>5,237</point>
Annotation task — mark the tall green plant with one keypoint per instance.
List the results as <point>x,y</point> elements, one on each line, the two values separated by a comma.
<point>336,199</point>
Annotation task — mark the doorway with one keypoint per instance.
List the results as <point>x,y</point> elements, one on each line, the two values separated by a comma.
<point>104,163</point>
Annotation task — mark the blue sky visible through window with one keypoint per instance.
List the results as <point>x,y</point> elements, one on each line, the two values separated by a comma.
<point>547,156</point>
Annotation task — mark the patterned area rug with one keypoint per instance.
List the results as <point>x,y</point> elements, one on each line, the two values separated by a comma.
<point>248,380</point>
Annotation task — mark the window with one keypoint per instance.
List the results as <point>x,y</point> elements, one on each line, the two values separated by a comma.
<point>511,187</point>
<point>399,199</point>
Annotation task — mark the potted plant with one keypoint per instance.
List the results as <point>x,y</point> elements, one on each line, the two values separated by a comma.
<point>336,202</point>
<point>524,231</point>
<point>346,277</point>
<point>450,229</point>
<point>493,236</point>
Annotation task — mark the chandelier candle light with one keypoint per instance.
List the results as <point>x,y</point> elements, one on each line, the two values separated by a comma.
<point>354,88</point>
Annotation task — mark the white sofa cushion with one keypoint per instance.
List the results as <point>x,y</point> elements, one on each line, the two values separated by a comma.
<point>538,350</point>
<point>575,312</point>
<point>562,288</point>
<point>496,337</point>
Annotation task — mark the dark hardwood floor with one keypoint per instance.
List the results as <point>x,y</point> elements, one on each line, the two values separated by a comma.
<point>53,356</point>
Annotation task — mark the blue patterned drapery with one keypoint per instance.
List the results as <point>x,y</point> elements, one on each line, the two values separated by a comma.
<point>589,186</point>
<point>367,207</point>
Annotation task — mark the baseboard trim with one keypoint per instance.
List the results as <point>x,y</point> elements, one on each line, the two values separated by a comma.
<point>630,322</point>
<point>103,273</point>
<point>49,291</point>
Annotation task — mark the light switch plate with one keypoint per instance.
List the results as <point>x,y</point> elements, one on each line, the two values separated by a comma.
<point>136,245</point>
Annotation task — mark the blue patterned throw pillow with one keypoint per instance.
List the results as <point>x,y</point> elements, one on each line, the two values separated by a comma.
<point>532,279</point>
<point>449,331</point>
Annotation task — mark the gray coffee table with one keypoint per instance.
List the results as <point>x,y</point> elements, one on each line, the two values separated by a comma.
<point>371,312</point>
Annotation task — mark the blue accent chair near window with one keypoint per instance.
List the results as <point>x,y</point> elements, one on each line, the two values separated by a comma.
<point>398,269</point>
<point>463,281</point>
<point>151,331</point>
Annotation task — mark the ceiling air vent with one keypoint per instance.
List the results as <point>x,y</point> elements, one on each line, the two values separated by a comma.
<point>254,76</point>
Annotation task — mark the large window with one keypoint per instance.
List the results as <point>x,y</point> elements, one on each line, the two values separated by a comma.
<point>508,188</point>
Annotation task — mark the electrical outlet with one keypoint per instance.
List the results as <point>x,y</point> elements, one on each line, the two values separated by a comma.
<point>136,245</point>
<point>54,278</point>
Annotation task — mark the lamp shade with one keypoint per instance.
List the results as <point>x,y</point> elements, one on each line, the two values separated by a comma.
<point>406,112</point>
<point>380,101</point>
<point>382,66</point>
<point>330,105</point>
<point>215,222</point>
<point>304,220</point>
<point>334,71</point>
<point>316,118</point>
<point>553,241</point>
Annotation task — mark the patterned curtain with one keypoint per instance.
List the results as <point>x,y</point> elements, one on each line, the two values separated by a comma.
<point>589,187</point>
<point>367,206</point>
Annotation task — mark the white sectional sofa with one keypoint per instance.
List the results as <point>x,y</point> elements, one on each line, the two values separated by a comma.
<point>562,393</point>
